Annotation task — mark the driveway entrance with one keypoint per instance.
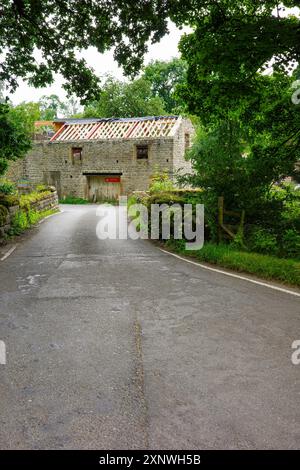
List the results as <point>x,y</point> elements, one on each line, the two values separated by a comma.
<point>113,344</point>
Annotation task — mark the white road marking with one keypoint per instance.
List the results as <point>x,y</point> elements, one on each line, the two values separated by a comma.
<point>9,252</point>
<point>264,284</point>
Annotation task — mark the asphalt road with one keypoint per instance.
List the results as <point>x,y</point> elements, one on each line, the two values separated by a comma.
<point>114,344</point>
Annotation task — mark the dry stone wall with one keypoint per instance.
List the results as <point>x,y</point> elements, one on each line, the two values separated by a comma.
<point>50,201</point>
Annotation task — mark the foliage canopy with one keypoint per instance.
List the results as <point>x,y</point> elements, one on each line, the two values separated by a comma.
<point>14,137</point>
<point>231,39</point>
<point>121,99</point>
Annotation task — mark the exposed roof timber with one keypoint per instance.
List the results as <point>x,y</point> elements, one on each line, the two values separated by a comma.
<point>121,128</point>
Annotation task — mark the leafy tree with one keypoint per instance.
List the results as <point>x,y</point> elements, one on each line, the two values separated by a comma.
<point>2,98</point>
<point>72,108</point>
<point>58,30</point>
<point>275,128</point>
<point>242,155</point>
<point>14,137</point>
<point>26,114</point>
<point>234,39</point>
<point>220,168</point>
<point>164,76</point>
<point>50,107</point>
<point>231,37</point>
<point>126,100</point>
<point>270,126</point>
<point>46,109</point>
<point>232,42</point>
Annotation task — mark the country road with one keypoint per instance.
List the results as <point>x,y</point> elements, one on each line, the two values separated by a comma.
<point>112,344</point>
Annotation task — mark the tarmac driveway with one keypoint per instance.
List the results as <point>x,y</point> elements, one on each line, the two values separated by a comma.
<point>114,344</point>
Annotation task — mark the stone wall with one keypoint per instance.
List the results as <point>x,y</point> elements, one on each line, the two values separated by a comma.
<point>16,170</point>
<point>53,163</point>
<point>182,141</point>
<point>50,201</point>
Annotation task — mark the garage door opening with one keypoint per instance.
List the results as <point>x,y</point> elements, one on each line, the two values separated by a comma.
<point>102,188</point>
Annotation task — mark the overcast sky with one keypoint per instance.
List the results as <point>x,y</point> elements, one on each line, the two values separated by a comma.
<point>102,64</point>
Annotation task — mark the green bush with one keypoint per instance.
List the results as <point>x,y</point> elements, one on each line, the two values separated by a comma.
<point>138,197</point>
<point>9,200</point>
<point>73,200</point>
<point>20,222</point>
<point>290,215</point>
<point>40,188</point>
<point>262,241</point>
<point>161,182</point>
<point>164,198</point>
<point>33,216</point>
<point>278,212</point>
<point>25,200</point>
<point>291,243</point>
<point>272,229</point>
<point>3,215</point>
<point>24,219</point>
<point>276,223</point>
<point>7,187</point>
<point>131,201</point>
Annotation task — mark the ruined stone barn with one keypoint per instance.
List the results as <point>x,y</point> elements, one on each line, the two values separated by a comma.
<point>101,159</point>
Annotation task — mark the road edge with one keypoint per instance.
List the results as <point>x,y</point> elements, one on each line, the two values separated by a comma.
<point>232,274</point>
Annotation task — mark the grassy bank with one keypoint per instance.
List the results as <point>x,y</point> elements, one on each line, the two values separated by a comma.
<point>26,219</point>
<point>269,252</point>
<point>267,267</point>
<point>73,200</point>
<point>19,212</point>
<point>79,200</point>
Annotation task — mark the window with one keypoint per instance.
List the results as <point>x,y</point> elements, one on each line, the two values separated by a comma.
<point>76,154</point>
<point>186,141</point>
<point>141,152</point>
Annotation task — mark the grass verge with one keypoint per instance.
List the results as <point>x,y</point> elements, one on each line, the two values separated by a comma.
<point>73,200</point>
<point>26,219</point>
<point>267,267</point>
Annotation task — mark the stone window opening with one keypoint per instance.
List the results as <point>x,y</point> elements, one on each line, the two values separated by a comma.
<point>76,154</point>
<point>142,152</point>
<point>187,140</point>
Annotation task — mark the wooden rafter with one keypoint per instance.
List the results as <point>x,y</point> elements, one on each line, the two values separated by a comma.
<point>117,129</point>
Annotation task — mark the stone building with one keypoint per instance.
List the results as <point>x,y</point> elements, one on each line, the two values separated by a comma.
<point>104,158</point>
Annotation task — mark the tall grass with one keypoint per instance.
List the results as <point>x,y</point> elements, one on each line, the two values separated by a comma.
<point>265,266</point>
